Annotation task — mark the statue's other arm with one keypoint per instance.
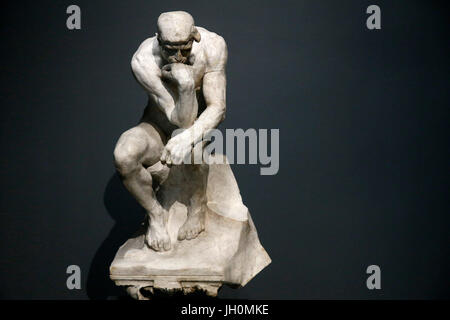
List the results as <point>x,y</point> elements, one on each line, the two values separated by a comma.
<point>214,91</point>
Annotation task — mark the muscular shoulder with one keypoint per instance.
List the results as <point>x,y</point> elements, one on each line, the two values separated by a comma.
<point>146,57</point>
<point>214,49</point>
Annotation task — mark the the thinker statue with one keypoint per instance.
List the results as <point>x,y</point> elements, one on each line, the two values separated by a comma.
<point>182,69</point>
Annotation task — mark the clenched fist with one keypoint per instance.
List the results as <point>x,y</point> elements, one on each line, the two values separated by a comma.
<point>180,74</point>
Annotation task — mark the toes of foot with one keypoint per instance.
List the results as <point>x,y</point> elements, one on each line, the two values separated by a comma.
<point>160,245</point>
<point>167,245</point>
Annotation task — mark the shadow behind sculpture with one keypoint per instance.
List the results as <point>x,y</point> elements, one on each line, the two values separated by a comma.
<point>127,215</point>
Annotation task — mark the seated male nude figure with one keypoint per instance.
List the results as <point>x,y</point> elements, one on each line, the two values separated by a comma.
<point>182,69</point>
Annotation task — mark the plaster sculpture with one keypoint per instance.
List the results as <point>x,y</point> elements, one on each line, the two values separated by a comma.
<point>198,234</point>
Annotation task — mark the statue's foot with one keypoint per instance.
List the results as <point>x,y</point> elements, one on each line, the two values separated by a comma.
<point>157,236</point>
<point>193,226</point>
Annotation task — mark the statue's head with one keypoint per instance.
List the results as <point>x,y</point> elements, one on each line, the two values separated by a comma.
<point>176,33</point>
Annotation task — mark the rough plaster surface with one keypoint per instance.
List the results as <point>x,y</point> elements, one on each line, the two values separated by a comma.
<point>198,233</point>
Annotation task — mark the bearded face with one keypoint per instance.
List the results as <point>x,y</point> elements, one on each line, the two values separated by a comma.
<point>176,52</point>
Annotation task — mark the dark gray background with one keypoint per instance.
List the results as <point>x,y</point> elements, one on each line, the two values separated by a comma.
<point>363,119</point>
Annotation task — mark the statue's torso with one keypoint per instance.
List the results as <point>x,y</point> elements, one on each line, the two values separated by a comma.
<point>199,64</point>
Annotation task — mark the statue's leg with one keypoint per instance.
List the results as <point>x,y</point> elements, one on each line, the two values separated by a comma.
<point>138,149</point>
<point>195,222</point>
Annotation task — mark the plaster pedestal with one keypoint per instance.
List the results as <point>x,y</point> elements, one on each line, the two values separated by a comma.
<point>228,251</point>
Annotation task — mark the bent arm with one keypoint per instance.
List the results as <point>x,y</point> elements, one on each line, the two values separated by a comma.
<point>214,92</point>
<point>148,74</point>
<point>186,106</point>
<point>214,86</point>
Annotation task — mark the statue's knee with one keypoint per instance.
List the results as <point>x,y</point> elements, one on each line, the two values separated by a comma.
<point>129,151</point>
<point>125,160</point>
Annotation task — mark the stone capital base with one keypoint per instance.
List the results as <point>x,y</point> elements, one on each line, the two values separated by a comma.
<point>144,288</point>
